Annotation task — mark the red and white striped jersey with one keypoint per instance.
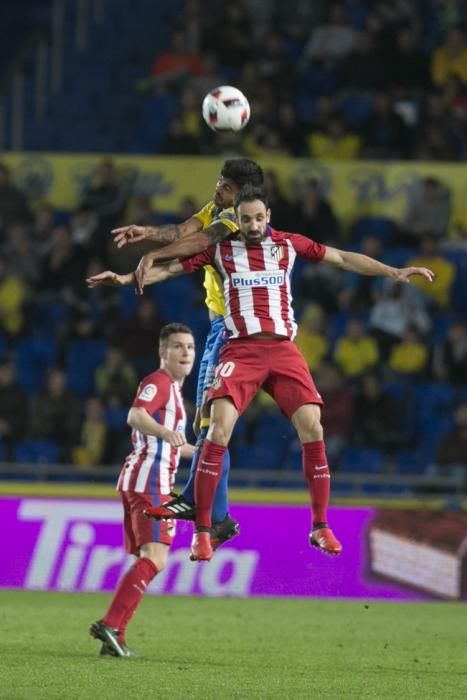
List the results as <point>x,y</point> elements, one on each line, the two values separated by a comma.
<point>256,280</point>
<point>152,465</point>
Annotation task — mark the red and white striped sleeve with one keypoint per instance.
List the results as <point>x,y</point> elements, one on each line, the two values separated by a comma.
<point>200,260</point>
<point>306,247</point>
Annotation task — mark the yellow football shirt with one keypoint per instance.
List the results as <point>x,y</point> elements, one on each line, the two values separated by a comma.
<point>210,214</point>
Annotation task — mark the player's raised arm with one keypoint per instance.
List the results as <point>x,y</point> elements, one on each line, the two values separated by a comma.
<point>110,279</point>
<point>157,235</point>
<point>186,247</point>
<point>364,265</point>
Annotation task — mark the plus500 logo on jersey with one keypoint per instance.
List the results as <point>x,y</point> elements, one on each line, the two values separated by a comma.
<point>258,279</point>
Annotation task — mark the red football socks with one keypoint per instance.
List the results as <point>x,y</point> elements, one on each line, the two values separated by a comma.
<point>208,474</point>
<point>316,470</point>
<point>128,595</point>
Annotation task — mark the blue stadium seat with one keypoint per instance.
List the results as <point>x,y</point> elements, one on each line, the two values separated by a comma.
<point>356,107</point>
<point>36,452</point>
<point>378,226</point>
<point>81,360</point>
<point>364,460</point>
<point>34,356</point>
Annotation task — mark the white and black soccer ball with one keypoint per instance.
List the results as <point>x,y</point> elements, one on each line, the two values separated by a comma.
<point>226,109</point>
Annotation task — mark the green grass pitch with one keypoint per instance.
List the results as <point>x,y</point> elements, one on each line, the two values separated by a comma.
<point>233,648</point>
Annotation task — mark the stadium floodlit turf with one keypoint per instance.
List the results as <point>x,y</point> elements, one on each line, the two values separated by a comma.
<point>233,648</point>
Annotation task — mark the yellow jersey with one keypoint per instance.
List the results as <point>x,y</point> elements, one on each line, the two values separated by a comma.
<point>210,214</point>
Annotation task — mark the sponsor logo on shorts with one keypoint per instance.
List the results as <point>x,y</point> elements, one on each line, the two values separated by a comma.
<point>258,279</point>
<point>148,393</point>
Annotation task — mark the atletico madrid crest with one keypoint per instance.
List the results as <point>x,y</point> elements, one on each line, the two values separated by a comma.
<point>277,252</point>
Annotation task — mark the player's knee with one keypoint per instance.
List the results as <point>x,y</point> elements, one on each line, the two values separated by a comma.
<point>312,431</point>
<point>219,433</point>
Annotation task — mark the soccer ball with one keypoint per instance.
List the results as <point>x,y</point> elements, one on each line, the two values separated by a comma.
<point>226,109</point>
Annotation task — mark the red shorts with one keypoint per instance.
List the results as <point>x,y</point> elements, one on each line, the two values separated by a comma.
<point>138,529</point>
<point>276,365</point>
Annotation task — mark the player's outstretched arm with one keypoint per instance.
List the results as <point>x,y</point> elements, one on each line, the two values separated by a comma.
<point>157,235</point>
<point>110,279</point>
<point>364,265</point>
<point>159,273</point>
<point>186,247</point>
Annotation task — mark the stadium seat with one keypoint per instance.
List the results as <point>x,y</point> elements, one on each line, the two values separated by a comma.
<point>36,452</point>
<point>378,226</point>
<point>34,355</point>
<point>363,460</point>
<point>81,360</point>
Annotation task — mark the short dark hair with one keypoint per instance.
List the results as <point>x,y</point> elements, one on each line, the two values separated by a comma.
<point>243,172</point>
<point>171,329</point>
<point>250,194</point>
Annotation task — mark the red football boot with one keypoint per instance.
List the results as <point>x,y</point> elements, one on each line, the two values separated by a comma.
<point>201,548</point>
<point>323,537</point>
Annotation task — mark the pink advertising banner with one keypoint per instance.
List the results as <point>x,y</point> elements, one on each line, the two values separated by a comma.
<point>76,545</point>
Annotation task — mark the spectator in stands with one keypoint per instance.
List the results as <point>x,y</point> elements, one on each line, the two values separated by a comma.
<point>338,410</point>
<point>107,195</point>
<point>356,352</point>
<point>334,142</point>
<point>450,58</point>
<point>233,38</point>
<point>63,267</point>
<point>135,335</point>
<point>363,69</point>
<point>14,206</point>
<point>291,130</point>
<point>428,212</point>
<point>452,451</point>
<point>93,435</point>
<point>409,356</point>
<point>283,216</point>
<point>384,133</point>
<point>450,356</point>
<point>115,379</point>
<point>439,291</point>
<point>42,227</point>
<point>315,216</point>
<point>433,138</point>
<point>179,141</point>
<point>84,225</point>
<point>13,295</point>
<point>360,292</point>
<point>13,408</point>
<point>21,255</point>
<point>399,307</point>
<point>173,67</point>
<point>331,41</point>
<point>379,416</point>
<point>405,65</point>
<point>311,336</point>
<point>55,414</point>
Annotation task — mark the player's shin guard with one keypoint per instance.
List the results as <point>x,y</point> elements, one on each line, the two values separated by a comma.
<point>129,593</point>
<point>208,474</point>
<point>189,491</point>
<point>317,475</point>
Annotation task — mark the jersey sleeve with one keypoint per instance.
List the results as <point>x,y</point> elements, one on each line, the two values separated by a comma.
<point>307,248</point>
<point>226,217</point>
<point>205,214</point>
<point>152,394</point>
<point>200,260</point>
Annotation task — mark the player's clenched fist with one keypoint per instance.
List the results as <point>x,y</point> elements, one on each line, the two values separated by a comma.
<point>129,234</point>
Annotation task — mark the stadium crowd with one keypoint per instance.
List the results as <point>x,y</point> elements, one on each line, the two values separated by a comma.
<point>331,80</point>
<point>342,80</point>
<point>390,361</point>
